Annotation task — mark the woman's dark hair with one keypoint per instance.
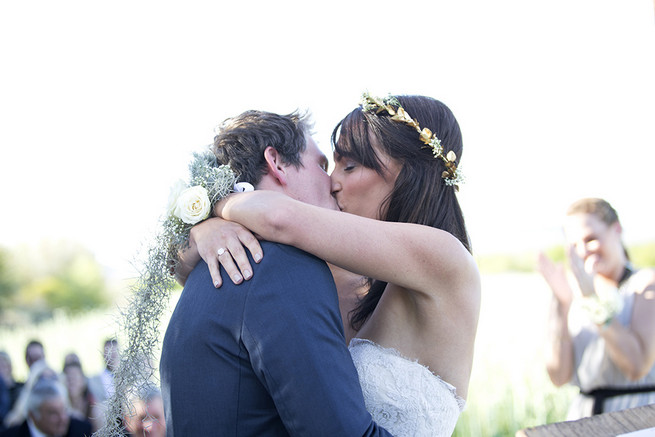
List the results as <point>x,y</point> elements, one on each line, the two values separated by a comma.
<point>420,194</point>
<point>241,141</point>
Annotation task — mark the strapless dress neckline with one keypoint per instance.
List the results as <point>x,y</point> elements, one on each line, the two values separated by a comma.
<point>403,395</point>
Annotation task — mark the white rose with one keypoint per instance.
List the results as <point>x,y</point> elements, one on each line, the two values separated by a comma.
<point>176,190</point>
<point>193,205</point>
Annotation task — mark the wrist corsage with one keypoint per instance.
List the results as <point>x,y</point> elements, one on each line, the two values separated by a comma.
<point>602,306</point>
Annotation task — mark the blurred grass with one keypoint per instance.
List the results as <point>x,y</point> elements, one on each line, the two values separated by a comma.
<point>83,334</point>
<point>641,255</point>
<point>509,388</point>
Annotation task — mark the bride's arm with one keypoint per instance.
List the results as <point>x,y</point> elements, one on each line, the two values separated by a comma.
<point>214,233</point>
<point>409,255</point>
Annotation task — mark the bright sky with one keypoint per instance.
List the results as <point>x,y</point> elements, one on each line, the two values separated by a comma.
<point>102,102</point>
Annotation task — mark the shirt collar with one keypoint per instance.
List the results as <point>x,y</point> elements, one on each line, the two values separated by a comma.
<point>34,431</point>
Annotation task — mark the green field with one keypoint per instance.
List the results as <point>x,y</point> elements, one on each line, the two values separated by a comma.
<point>509,386</point>
<point>510,389</point>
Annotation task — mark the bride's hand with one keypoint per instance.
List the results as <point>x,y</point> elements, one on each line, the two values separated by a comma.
<point>221,243</point>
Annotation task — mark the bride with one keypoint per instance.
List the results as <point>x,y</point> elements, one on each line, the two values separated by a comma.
<point>412,308</point>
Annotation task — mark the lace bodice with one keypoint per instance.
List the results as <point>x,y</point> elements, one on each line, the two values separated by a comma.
<point>402,395</point>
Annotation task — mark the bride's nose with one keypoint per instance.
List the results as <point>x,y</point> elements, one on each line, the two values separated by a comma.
<point>335,184</point>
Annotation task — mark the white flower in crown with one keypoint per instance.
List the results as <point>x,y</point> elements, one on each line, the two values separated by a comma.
<point>192,205</point>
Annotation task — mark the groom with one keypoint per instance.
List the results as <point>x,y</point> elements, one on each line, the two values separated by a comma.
<point>266,357</point>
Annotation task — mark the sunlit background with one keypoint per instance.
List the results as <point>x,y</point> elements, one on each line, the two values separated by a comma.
<point>101,104</point>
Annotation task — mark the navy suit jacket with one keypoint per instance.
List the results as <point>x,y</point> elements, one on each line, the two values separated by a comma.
<point>264,358</point>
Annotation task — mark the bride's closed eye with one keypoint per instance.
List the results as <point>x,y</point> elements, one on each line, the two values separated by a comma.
<point>344,164</point>
<point>349,165</point>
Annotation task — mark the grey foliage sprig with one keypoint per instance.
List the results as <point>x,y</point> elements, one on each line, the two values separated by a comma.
<point>140,320</point>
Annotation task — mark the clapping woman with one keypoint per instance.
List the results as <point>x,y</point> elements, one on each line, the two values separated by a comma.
<point>611,358</point>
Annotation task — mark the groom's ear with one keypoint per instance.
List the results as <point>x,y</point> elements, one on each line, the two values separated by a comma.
<point>274,165</point>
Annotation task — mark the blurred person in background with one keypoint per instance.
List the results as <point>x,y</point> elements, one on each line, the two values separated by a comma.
<point>40,371</point>
<point>101,386</point>
<point>147,418</point>
<point>80,399</point>
<point>72,358</point>
<point>610,356</point>
<point>47,414</point>
<point>34,352</point>
<point>4,401</point>
<point>7,374</point>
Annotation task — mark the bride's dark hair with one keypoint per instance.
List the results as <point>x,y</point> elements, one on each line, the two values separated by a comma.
<point>420,194</point>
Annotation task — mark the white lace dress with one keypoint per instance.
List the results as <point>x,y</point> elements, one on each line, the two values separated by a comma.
<point>402,395</point>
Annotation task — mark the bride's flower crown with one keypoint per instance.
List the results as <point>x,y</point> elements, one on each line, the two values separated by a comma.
<point>452,175</point>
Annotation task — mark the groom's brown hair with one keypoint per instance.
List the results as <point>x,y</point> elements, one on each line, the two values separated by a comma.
<point>241,141</point>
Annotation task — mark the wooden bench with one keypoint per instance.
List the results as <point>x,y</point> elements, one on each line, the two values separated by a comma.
<point>602,425</point>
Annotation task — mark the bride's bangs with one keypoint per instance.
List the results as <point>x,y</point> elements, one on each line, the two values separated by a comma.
<point>352,139</point>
